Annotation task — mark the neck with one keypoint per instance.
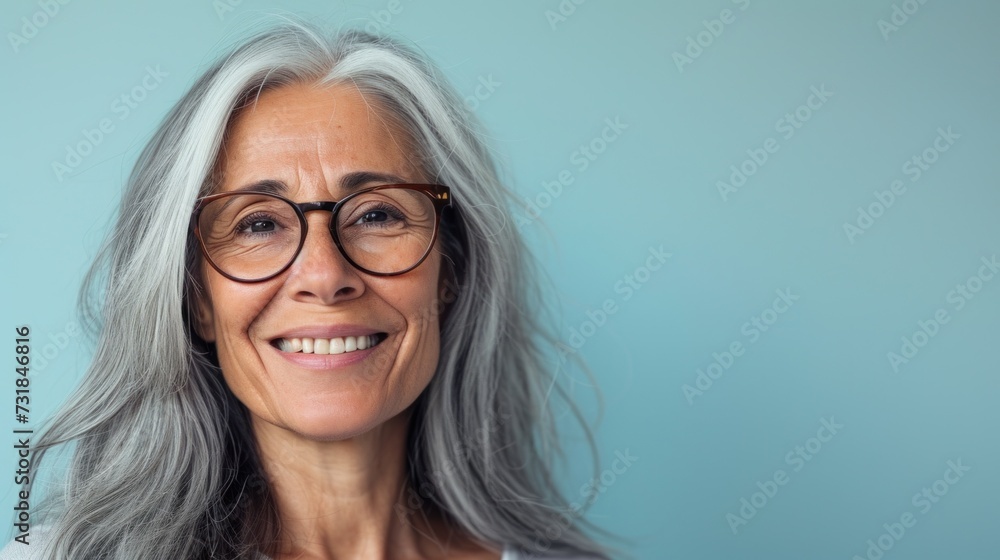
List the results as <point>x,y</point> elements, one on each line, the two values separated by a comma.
<point>349,498</point>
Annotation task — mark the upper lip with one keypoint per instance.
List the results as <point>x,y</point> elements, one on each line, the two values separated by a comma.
<point>327,331</point>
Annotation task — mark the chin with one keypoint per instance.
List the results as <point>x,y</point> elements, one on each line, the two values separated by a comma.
<point>329,418</point>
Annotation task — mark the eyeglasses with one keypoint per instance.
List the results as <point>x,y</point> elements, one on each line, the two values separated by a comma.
<point>384,231</point>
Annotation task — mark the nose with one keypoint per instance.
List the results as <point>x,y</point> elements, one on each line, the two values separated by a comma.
<point>320,273</point>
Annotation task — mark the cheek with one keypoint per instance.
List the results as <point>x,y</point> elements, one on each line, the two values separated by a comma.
<point>417,301</point>
<point>235,308</point>
<point>423,312</point>
<point>235,312</point>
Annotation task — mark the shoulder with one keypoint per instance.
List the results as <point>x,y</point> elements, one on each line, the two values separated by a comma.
<point>34,549</point>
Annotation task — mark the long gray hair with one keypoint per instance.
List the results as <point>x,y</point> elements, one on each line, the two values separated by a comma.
<point>164,464</point>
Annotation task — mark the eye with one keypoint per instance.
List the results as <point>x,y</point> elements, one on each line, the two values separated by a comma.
<point>374,216</point>
<point>380,215</point>
<point>256,223</point>
<point>258,226</point>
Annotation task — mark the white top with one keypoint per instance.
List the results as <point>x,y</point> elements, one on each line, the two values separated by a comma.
<point>33,551</point>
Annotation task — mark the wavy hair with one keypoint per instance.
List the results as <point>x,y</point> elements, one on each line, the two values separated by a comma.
<point>164,464</point>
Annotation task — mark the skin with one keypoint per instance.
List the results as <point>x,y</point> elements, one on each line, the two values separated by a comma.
<point>332,442</point>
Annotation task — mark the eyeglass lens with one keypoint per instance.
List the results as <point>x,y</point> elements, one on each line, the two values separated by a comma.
<point>252,236</point>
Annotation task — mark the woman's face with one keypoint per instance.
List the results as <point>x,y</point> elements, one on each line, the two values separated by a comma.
<point>309,138</point>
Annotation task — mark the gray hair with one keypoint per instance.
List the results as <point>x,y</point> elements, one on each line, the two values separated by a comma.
<point>164,465</point>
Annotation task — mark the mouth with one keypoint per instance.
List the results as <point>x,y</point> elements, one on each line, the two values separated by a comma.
<point>329,346</point>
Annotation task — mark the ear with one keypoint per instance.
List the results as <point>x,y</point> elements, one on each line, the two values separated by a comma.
<point>202,315</point>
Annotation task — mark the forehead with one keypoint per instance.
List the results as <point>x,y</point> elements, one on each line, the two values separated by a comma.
<point>309,135</point>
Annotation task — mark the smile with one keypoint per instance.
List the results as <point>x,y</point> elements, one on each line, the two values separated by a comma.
<point>328,346</point>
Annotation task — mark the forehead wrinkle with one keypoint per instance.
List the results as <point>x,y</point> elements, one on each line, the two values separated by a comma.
<point>391,129</point>
<point>378,135</point>
<point>406,144</point>
<point>309,169</point>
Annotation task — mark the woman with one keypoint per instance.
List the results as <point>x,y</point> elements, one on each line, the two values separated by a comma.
<point>315,338</point>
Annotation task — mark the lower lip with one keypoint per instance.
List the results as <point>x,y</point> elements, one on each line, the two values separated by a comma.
<point>326,361</point>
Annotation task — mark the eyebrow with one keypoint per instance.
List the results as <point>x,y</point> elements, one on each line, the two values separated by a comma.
<point>348,183</point>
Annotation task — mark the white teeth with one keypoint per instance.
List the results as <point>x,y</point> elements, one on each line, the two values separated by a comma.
<point>322,346</point>
<point>337,345</point>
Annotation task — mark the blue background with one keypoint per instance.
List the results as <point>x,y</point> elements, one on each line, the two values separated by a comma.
<point>683,123</point>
